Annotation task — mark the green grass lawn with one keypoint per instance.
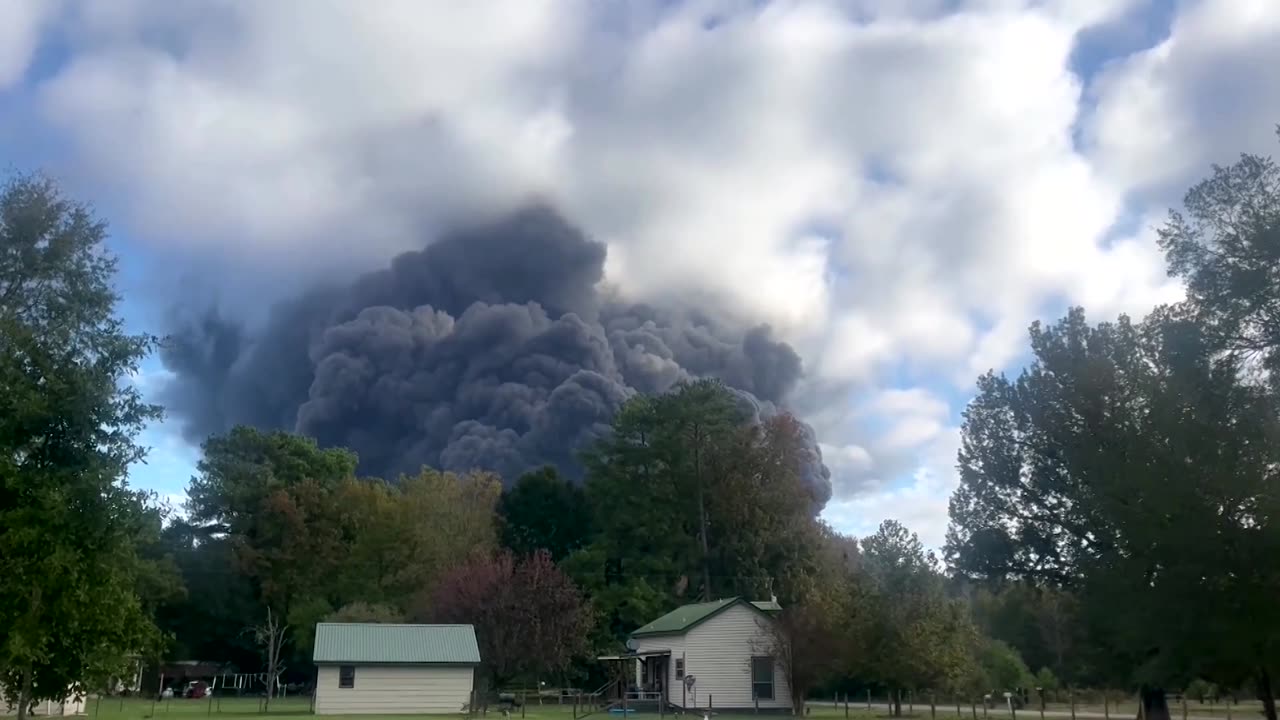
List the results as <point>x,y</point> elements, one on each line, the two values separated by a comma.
<point>245,708</point>
<point>114,708</point>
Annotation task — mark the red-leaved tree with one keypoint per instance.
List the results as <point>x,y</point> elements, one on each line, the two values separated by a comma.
<point>530,618</point>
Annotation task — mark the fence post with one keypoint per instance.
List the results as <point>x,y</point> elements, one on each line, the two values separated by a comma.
<point>1106,707</point>
<point>524,700</point>
<point>868,699</point>
<point>973,705</point>
<point>846,703</point>
<point>958,713</point>
<point>1013,711</point>
<point>1228,707</point>
<point>933,707</point>
<point>984,708</point>
<point>1071,694</point>
<point>911,702</point>
<point>1184,706</point>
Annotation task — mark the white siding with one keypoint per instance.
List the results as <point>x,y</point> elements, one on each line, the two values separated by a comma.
<point>395,690</point>
<point>718,653</point>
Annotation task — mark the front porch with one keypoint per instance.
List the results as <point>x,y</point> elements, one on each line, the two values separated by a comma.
<point>638,681</point>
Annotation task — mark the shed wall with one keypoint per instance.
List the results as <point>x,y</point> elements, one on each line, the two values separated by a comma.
<point>395,690</point>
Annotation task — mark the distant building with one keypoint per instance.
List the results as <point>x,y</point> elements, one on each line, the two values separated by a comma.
<point>370,668</point>
<point>72,704</point>
<point>708,655</point>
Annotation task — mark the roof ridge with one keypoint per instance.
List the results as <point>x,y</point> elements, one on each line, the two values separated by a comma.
<point>368,624</point>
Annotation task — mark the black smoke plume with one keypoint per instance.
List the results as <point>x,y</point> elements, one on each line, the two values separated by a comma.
<point>492,348</point>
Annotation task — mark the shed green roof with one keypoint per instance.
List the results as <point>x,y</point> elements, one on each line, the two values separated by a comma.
<point>391,643</point>
<point>683,618</point>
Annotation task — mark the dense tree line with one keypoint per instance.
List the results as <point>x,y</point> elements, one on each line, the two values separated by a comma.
<point>1127,477</point>
<point>1114,526</point>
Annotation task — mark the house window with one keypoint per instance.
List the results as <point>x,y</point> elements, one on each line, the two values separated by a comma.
<point>347,676</point>
<point>762,678</point>
<point>679,668</point>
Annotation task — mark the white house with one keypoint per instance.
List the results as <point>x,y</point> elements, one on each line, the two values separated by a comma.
<point>712,654</point>
<point>73,704</point>
<point>368,668</point>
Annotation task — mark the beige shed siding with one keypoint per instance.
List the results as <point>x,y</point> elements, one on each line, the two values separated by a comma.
<point>395,690</point>
<point>718,653</point>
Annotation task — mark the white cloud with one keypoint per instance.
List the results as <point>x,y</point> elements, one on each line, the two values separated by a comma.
<point>920,504</point>
<point>895,185</point>
<point>1203,95</point>
<point>21,22</point>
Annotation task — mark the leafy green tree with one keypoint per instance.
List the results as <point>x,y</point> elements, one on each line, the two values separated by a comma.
<point>691,500</point>
<point>1130,464</point>
<point>544,511</point>
<point>69,418</point>
<point>220,601</point>
<point>1047,681</point>
<point>920,638</point>
<point>1002,666</point>
<point>1043,623</point>
<point>1226,246</point>
<point>241,470</point>
<point>1201,689</point>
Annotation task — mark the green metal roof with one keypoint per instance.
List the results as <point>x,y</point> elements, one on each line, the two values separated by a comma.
<point>390,643</point>
<point>769,606</point>
<point>683,618</point>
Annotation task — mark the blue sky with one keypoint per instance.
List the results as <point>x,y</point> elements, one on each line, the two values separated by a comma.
<point>897,187</point>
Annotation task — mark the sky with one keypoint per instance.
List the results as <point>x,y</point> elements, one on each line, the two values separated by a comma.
<point>898,187</point>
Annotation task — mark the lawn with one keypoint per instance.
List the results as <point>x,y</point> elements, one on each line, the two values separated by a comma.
<point>250,708</point>
<point>113,708</point>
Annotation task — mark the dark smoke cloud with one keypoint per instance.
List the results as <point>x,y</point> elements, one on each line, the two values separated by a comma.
<point>491,348</point>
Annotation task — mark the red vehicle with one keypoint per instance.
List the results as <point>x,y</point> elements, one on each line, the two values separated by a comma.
<point>196,689</point>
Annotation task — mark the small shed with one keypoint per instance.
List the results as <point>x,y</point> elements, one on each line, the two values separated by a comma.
<point>391,669</point>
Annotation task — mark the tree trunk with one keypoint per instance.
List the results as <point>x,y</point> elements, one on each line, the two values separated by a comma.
<point>702,523</point>
<point>24,693</point>
<point>1266,694</point>
<point>897,703</point>
<point>1154,705</point>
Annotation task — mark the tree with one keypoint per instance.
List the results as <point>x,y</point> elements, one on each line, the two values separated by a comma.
<point>692,497</point>
<point>1129,464</point>
<point>530,619</point>
<point>808,640</point>
<point>1226,246</point>
<point>241,470</point>
<point>1047,681</point>
<point>271,635</point>
<point>544,511</point>
<point>219,599</point>
<point>69,419</point>
<point>1002,666</point>
<point>919,638</point>
<point>1043,623</point>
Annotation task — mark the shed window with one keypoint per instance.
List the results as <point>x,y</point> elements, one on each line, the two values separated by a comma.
<point>347,676</point>
<point>679,668</point>
<point>762,678</point>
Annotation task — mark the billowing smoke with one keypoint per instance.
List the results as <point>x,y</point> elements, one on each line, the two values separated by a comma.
<point>492,348</point>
